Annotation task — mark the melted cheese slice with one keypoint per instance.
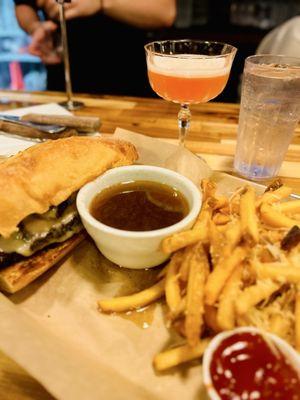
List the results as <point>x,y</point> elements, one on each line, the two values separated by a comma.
<point>36,227</point>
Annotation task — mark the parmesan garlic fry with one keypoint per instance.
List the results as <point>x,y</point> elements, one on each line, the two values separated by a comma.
<point>172,288</point>
<point>274,218</point>
<point>203,219</point>
<point>162,273</point>
<point>217,202</point>
<point>208,189</point>
<point>226,309</point>
<point>210,318</point>
<point>134,301</point>
<point>297,319</point>
<point>254,294</point>
<point>185,265</point>
<point>178,326</point>
<point>248,215</point>
<point>279,325</point>
<point>199,269</point>
<point>273,196</point>
<point>182,239</point>
<point>197,234</point>
<point>233,234</point>
<point>217,242</point>
<point>180,310</point>
<point>289,206</point>
<point>178,355</point>
<point>223,270</point>
<point>221,219</point>
<point>280,272</point>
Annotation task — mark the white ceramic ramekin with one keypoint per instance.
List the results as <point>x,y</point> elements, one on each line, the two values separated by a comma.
<point>286,349</point>
<point>135,249</point>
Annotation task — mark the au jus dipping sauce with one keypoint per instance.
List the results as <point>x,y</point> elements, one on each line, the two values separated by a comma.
<point>248,366</point>
<point>139,206</point>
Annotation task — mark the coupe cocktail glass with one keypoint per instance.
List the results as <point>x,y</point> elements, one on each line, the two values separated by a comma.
<point>188,72</point>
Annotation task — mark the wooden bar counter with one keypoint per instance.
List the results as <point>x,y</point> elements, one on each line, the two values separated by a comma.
<point>212,135</point>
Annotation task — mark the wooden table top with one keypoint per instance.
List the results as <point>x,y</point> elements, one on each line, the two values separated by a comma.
<point>212,134</point>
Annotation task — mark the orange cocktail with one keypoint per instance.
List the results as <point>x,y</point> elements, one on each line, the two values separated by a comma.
<point>188,72</point>
<point>187,89</point>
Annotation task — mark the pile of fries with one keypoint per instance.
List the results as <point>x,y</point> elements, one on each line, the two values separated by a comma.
<point>238,266</point>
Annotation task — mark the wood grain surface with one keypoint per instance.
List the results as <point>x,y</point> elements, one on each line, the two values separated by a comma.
<point>212,134</point>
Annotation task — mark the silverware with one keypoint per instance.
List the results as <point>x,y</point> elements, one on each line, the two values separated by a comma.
<point>31,132</point>
<point>47,128</point>
<point>81,123</point>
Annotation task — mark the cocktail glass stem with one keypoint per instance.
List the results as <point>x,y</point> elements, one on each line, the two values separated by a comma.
<point>70,104</point>
<point>184,118</point>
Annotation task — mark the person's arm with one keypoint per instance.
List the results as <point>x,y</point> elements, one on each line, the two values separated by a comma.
<point>147,14</point>
<point>142,13</point>
<point>41,33</point>
<point>27,18</point>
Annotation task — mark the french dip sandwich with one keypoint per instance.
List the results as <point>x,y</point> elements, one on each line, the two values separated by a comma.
<point>39,222</point>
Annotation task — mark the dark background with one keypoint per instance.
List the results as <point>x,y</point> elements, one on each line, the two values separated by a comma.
<point>241,23</point>
<point>108,58</point>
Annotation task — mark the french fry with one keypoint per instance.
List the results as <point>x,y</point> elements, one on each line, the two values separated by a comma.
<point>233,234</point>
<point>254,294</point>
<point>217,242</point>
<point>179,326</point>
<point>134,301</point>
<point>273,196</point>
<point>203,219</point>
<point>210,318</point>
<point>182,239</point>
<point>172,288</point>
<point>276,219</point>
<point>179,355</point>
<point>226,308</point>
<point>180,310</point>
<point>208,188</point>
<point>221,219</point>
<point>248,215</point>
<point>162,273</point>
<point>217,202</point>
<point>222,243</point>
<point>280,272</point>
<point>297,319</point>
<point>274,185</point>
<point>279,325</point>
<point>186,238</point>
<point>290,242</point>
<point>223,270</point>
<point>195,295</point>
<point>289,206</point>
<point>185,265</point>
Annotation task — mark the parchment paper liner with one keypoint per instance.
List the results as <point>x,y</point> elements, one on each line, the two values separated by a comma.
<point>53,329</point>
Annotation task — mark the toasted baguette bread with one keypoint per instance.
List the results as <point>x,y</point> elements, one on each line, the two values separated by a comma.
<point>48,173</point>
<point>20,274</point>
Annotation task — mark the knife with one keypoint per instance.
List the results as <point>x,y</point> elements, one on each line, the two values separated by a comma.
<point>27,131</point>
<point>55,123</point>
<point>41,127</point>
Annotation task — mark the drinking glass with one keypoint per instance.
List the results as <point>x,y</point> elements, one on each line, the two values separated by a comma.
<point>188,72</point>
<point>269,114</point>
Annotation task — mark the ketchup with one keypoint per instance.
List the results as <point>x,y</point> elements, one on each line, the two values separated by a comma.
<point>245,367</point>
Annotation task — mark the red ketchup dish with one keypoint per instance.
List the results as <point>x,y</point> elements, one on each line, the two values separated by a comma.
<point>250,364</point>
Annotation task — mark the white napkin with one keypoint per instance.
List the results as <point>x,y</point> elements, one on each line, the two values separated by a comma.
<point>10,145</point>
